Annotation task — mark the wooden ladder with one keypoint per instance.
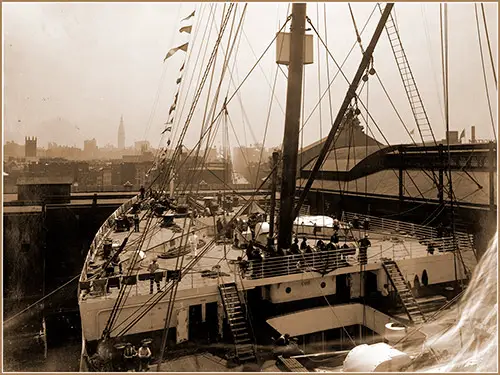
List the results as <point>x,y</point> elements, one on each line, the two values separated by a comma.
<point>399,283</point>
<point>237,320</point>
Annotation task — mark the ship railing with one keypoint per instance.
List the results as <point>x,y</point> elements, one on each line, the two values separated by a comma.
<point>324,262</point>
<point>422,232</point>
<point>317,261</point>
<point>104,230</point>
<point>101,286</point>
<point>392,226</point>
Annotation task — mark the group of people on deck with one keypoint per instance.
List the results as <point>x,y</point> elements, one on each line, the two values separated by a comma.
<point>334,258</point>
<point>137,360</point>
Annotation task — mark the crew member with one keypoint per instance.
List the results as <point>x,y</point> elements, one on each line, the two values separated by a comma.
<point>142,192</point>
<point>294,248</point>
<point>136,223</point>
<point>144,356</point>
<point>320,245</point>
<point>336,224</point>
<point>220,227</point>
<point>363,249</point>
<point>152,268</point>
<point>193,241</point>
<point>130,356</point>
<point>283,340</point>
<point>355,222</point>
<point>303,244</point>
<point>115,261</point>
<point>430,249</point>
<point>335,238</point>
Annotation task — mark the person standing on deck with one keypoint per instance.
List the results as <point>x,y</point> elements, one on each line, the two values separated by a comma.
<point>336,225</point>
<point>364,244</point>
<point>294,248</point>
<point>220,228</point>
<point>153,267</point>
<point>303,244</point>
<point>130,356</point>
<point>136,223</point>
<point>115,261</point>
<point>335,238</point>
<point>144,357</point>
<point>142,192</point>
<point>193,241</point>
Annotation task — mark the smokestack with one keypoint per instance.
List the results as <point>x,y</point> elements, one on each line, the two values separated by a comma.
<point>472,134</point>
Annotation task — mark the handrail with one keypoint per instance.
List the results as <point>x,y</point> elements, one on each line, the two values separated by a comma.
<point>327,261</point>
<point>104,231</point>
<point>423,232</point>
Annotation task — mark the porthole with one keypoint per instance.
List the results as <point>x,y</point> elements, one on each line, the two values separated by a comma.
<point>323,284</point>
<point>288,290</point>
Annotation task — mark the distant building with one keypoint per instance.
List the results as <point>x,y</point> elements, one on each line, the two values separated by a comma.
<point>142,146</point>
<point>13,150</point>
<point>30,147</point>
<point>90,149</point>
<point>452,137</point>
<point>121,135</point>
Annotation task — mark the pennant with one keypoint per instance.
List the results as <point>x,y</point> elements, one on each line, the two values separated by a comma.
<point>462,135</point>
<point>186,29</point>
<point>188,17</point>
<point>182,67</point>
<point>184,48</point>
<point>178,80</point>
<point>169,129</point>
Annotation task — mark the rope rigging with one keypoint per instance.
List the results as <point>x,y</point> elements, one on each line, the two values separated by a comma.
<point>211,122</point>
<point>489,46</point>
<point>123,293</point>
<point>484,70</point>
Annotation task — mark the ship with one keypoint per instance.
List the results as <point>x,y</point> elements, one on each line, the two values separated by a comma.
<point>217,281</point>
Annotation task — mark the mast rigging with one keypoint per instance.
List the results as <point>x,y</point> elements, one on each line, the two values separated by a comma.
<point>351,93</point>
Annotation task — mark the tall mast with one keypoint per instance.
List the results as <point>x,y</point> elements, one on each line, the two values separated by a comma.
<point>351,93</point>
<point>292,124</point>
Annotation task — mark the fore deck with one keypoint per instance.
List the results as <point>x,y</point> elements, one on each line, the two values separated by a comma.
<point>389,240</point>
<point>209,264</point>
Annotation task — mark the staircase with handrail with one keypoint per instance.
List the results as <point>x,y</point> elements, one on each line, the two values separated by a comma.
<point>399,283</point>
<point>238,324</point>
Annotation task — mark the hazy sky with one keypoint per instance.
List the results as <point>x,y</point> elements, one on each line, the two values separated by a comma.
<point>72,69</point>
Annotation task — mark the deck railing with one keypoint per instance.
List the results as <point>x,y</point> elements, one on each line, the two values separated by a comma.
<point>422,232</point>
<point>104,230</point>
<point>326,261</point>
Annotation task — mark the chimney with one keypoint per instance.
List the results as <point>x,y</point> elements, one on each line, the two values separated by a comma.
<point>472,134</point>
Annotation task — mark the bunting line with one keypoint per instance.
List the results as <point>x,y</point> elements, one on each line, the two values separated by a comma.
<point>171,113</point>
<point>186,29</point>
<point>170,53</point>
<point>188,17</point>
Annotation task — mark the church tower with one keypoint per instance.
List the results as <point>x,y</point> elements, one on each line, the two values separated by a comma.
<point>121,135</point>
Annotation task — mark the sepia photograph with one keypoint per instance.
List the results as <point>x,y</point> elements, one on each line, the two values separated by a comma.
<point>249,187</point>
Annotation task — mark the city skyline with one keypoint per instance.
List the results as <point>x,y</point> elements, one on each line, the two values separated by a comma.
<point>73,101</point>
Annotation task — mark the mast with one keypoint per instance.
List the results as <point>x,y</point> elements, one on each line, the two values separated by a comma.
<point>351,93</point>
<point>292,124</point>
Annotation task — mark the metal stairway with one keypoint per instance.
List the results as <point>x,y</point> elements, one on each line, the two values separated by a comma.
<point>416,104</point>
<point>237,320</point>
<point>399,283</point>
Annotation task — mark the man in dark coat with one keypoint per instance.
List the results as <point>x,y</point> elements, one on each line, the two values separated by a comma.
<point>364,244</point>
